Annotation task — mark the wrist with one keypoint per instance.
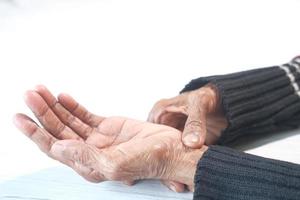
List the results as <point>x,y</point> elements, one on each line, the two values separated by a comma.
<point>185,165</point>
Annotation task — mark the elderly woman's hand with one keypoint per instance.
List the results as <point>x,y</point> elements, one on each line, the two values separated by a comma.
<point>197,113</point>
<point>100,148</point>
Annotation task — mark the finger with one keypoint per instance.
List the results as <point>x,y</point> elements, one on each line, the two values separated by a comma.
<point>79,111</point>
<point>173,105</point>
<point>194,132</point>
<point>171,109</point>
<point>154,114</point>
<point>174,186</point>
<point>47,117</point>
<point>46,141</point>
<point>39,136</point>
<point>175,116</point>
<point>177,109</point>
<point>174,120</point>
<point>129,183</point>
<point>158,110</point>
<point>79,156</point>
<point>80,128</point>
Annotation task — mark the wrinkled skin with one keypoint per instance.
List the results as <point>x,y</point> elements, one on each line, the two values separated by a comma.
<point>197,114</point>
<point>99,148</point>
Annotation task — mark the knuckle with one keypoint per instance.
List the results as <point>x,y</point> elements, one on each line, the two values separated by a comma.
<point>205,98</point>
<point>161,103</point>
<point>70,119</point>
<point>88,117</point>
<point>194,123</point>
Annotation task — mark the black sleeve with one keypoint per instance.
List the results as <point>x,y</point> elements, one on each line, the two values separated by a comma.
<point>257,101</point>
<point>225,174</point>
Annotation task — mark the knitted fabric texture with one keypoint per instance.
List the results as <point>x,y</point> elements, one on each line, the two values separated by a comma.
<point>226,174</point>
<point>257,101</point>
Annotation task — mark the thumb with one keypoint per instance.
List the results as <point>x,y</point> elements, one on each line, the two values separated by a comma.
<point>194,132</point>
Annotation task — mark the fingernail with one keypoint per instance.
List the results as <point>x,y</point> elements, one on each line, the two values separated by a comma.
<point>173,188</point>
<point>191,138</point>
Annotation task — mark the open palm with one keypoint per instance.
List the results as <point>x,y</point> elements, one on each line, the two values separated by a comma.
<point>100,148</point>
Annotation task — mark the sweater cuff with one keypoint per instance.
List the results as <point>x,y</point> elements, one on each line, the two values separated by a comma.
<point>257,101</point>
<point>223,173</point>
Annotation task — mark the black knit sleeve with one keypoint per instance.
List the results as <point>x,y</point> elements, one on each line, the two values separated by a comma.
<point>257,101</point>
<point>225,174</point>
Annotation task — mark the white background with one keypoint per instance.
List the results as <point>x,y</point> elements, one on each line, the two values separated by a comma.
<point>119,57</point>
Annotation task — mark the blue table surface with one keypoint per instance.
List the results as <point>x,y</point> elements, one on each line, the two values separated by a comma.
<point>61,183</point>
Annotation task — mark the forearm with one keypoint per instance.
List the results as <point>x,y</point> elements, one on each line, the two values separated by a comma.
<point>257,101</point>
<point>223,173</point>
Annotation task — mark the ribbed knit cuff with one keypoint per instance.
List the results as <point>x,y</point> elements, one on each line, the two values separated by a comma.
<point>257,101</point>
<point>225,174</point>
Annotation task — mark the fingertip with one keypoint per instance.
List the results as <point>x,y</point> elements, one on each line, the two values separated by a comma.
<point>174,186</point>
<point>150,118</point>
<point>16,119</point>
<point>64,97</point>
<point>40,87</point>
<point>67,101</point>
<point>45,93</point>
<point>25,124</point>
<point>193,140</point>
<point>35,102</point>
<point>27,95</point>
<point>19,117</point>
<point>129,183</point>
<point>30,97</point>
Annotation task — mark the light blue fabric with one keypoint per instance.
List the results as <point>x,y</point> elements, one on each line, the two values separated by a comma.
<point>61,183</point>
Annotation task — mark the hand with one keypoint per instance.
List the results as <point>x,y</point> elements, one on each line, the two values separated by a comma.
<point>100,148</point>
<point>197,113</point>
